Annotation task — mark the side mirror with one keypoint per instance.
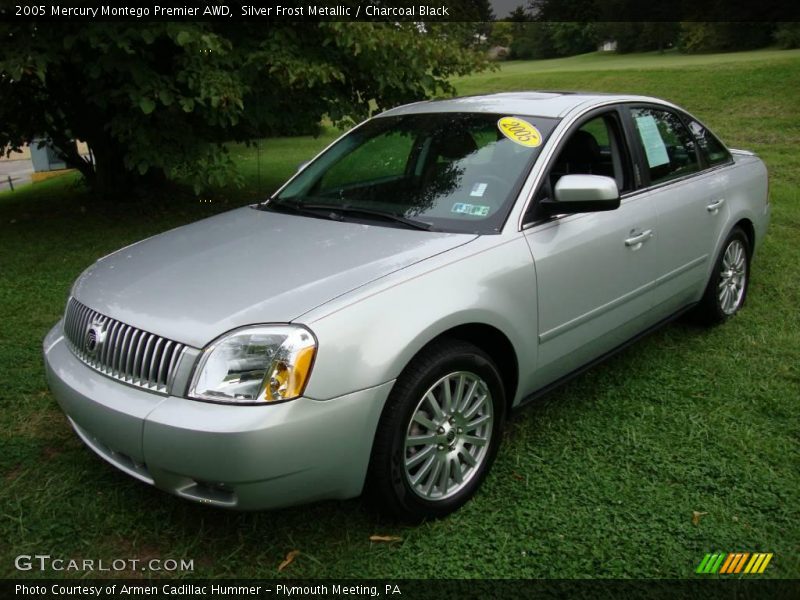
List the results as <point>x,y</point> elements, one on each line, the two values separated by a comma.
<point>582,193</point>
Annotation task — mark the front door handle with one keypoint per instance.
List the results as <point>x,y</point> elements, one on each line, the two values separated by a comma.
<point>715,206</point>
<point>638,239</point>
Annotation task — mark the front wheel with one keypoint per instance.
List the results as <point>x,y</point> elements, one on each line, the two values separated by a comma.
<point>439,432</point>
<point>727,287</point>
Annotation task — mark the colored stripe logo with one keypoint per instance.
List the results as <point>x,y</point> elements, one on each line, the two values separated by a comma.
<point>732,563</point>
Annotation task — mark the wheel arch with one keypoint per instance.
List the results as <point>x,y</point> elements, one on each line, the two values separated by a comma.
<point>743,222</point>
<point>493,342</point>
<point>749,229</point>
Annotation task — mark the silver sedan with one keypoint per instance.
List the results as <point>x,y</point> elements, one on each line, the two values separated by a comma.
<point>370,325</point>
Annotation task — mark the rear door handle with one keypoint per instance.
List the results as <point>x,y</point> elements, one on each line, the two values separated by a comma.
<point>640,238</point>
<point>715,206</point>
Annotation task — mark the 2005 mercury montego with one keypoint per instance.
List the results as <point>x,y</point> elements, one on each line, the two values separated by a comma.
<point>373,322</point>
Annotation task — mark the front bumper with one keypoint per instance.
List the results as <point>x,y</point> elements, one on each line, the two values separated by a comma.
<point>244,457</point>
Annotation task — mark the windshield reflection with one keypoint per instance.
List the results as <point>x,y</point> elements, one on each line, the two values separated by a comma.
<point>449,171</point>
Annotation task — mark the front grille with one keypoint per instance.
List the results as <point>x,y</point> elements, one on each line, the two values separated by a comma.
<point>120,351</point>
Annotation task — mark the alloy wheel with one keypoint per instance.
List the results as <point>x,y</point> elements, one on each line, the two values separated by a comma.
<point>448,437</point>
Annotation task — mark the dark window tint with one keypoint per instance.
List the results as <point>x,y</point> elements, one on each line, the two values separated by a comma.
<point>712,149</point>
<point>669,148</point>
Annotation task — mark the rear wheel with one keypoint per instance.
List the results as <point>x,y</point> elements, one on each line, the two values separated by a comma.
<point>439,432</point>
<point>727,287</point>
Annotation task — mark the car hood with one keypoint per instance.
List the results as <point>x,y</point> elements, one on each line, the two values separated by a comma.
<point>193,283</point>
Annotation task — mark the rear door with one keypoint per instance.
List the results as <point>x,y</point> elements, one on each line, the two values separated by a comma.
<point>689,200</point>
<point>594,271</point>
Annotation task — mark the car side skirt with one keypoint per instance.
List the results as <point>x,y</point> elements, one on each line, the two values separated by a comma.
<point>543,391</point>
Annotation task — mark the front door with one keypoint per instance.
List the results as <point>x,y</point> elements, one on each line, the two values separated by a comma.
<point>594,271</point>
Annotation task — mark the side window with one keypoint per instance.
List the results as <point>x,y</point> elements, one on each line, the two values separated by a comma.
<point>383,157</point>
<point>711,148</point>
<point>669,148</point>
<point>596,148</point>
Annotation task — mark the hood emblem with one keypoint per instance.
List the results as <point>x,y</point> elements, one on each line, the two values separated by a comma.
<point>94,338</point>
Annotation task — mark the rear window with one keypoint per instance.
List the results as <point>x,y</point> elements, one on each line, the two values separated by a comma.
<point>669,148</point>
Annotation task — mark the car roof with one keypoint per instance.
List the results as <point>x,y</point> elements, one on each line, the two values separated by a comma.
<point>541,104</point>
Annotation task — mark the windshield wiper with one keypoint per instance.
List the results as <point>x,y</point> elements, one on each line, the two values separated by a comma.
<point>332,211</point>
<point>301,208</point>
<point>370,212</point>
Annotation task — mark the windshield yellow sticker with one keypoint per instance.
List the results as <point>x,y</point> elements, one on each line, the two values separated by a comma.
<point>520,131</point>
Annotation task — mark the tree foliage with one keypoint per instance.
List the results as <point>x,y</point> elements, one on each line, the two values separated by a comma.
<point>622,21</point>
<point>696,37</point>
<point>787,35</point>
<point>536,39</point>
<point>162,99</point>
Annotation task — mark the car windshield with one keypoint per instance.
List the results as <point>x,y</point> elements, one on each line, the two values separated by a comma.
<point>457,172</point>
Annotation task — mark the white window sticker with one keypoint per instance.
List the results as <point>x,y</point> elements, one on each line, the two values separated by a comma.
<point>654,146</point>
<point>475,210</point>
<point>478,189</point>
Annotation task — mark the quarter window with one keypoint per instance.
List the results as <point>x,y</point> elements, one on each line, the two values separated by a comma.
<point>669,148</point>
<point>711,148</point>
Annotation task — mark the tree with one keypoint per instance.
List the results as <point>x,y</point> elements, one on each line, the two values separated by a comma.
<point>696,37</point>
<point>519,15</point>
<point>539,40</point>
<point>502,33</point>
<point>161,100</point>
<point>787,35</point>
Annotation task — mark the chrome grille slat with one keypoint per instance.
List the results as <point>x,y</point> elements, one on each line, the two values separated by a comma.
<point>126,353</point>
<point>68,318</point>
<point>132,354</point>
<point>115,353</point>
<point>154,361</point>
<point>137,357</point>
<point>83,320</point>
<point>146,357</point>
<point>122,353</point>
<point>108,347</point>
<point>160,376</point>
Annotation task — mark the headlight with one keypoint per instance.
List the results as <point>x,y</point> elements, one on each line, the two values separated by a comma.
<point>264,363</point>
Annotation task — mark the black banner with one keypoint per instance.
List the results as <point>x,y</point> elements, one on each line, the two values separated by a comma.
<point>708,589</point>
<point>396,10</point>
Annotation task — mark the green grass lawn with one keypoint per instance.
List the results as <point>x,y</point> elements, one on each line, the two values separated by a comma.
<point>599,479</point>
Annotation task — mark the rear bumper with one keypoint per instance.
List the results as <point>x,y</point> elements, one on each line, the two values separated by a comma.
<point>244,457</point>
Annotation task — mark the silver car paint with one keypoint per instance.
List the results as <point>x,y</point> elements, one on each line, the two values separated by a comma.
<point>489,281</point>
<point>608,291</point>
<point>291,452</point>
<point>243,267</point>
<point>593,318</point>
<point>370,324</point>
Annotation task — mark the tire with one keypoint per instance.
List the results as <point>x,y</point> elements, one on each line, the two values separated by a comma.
<point>727,287</point>
<point>414,482</point>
